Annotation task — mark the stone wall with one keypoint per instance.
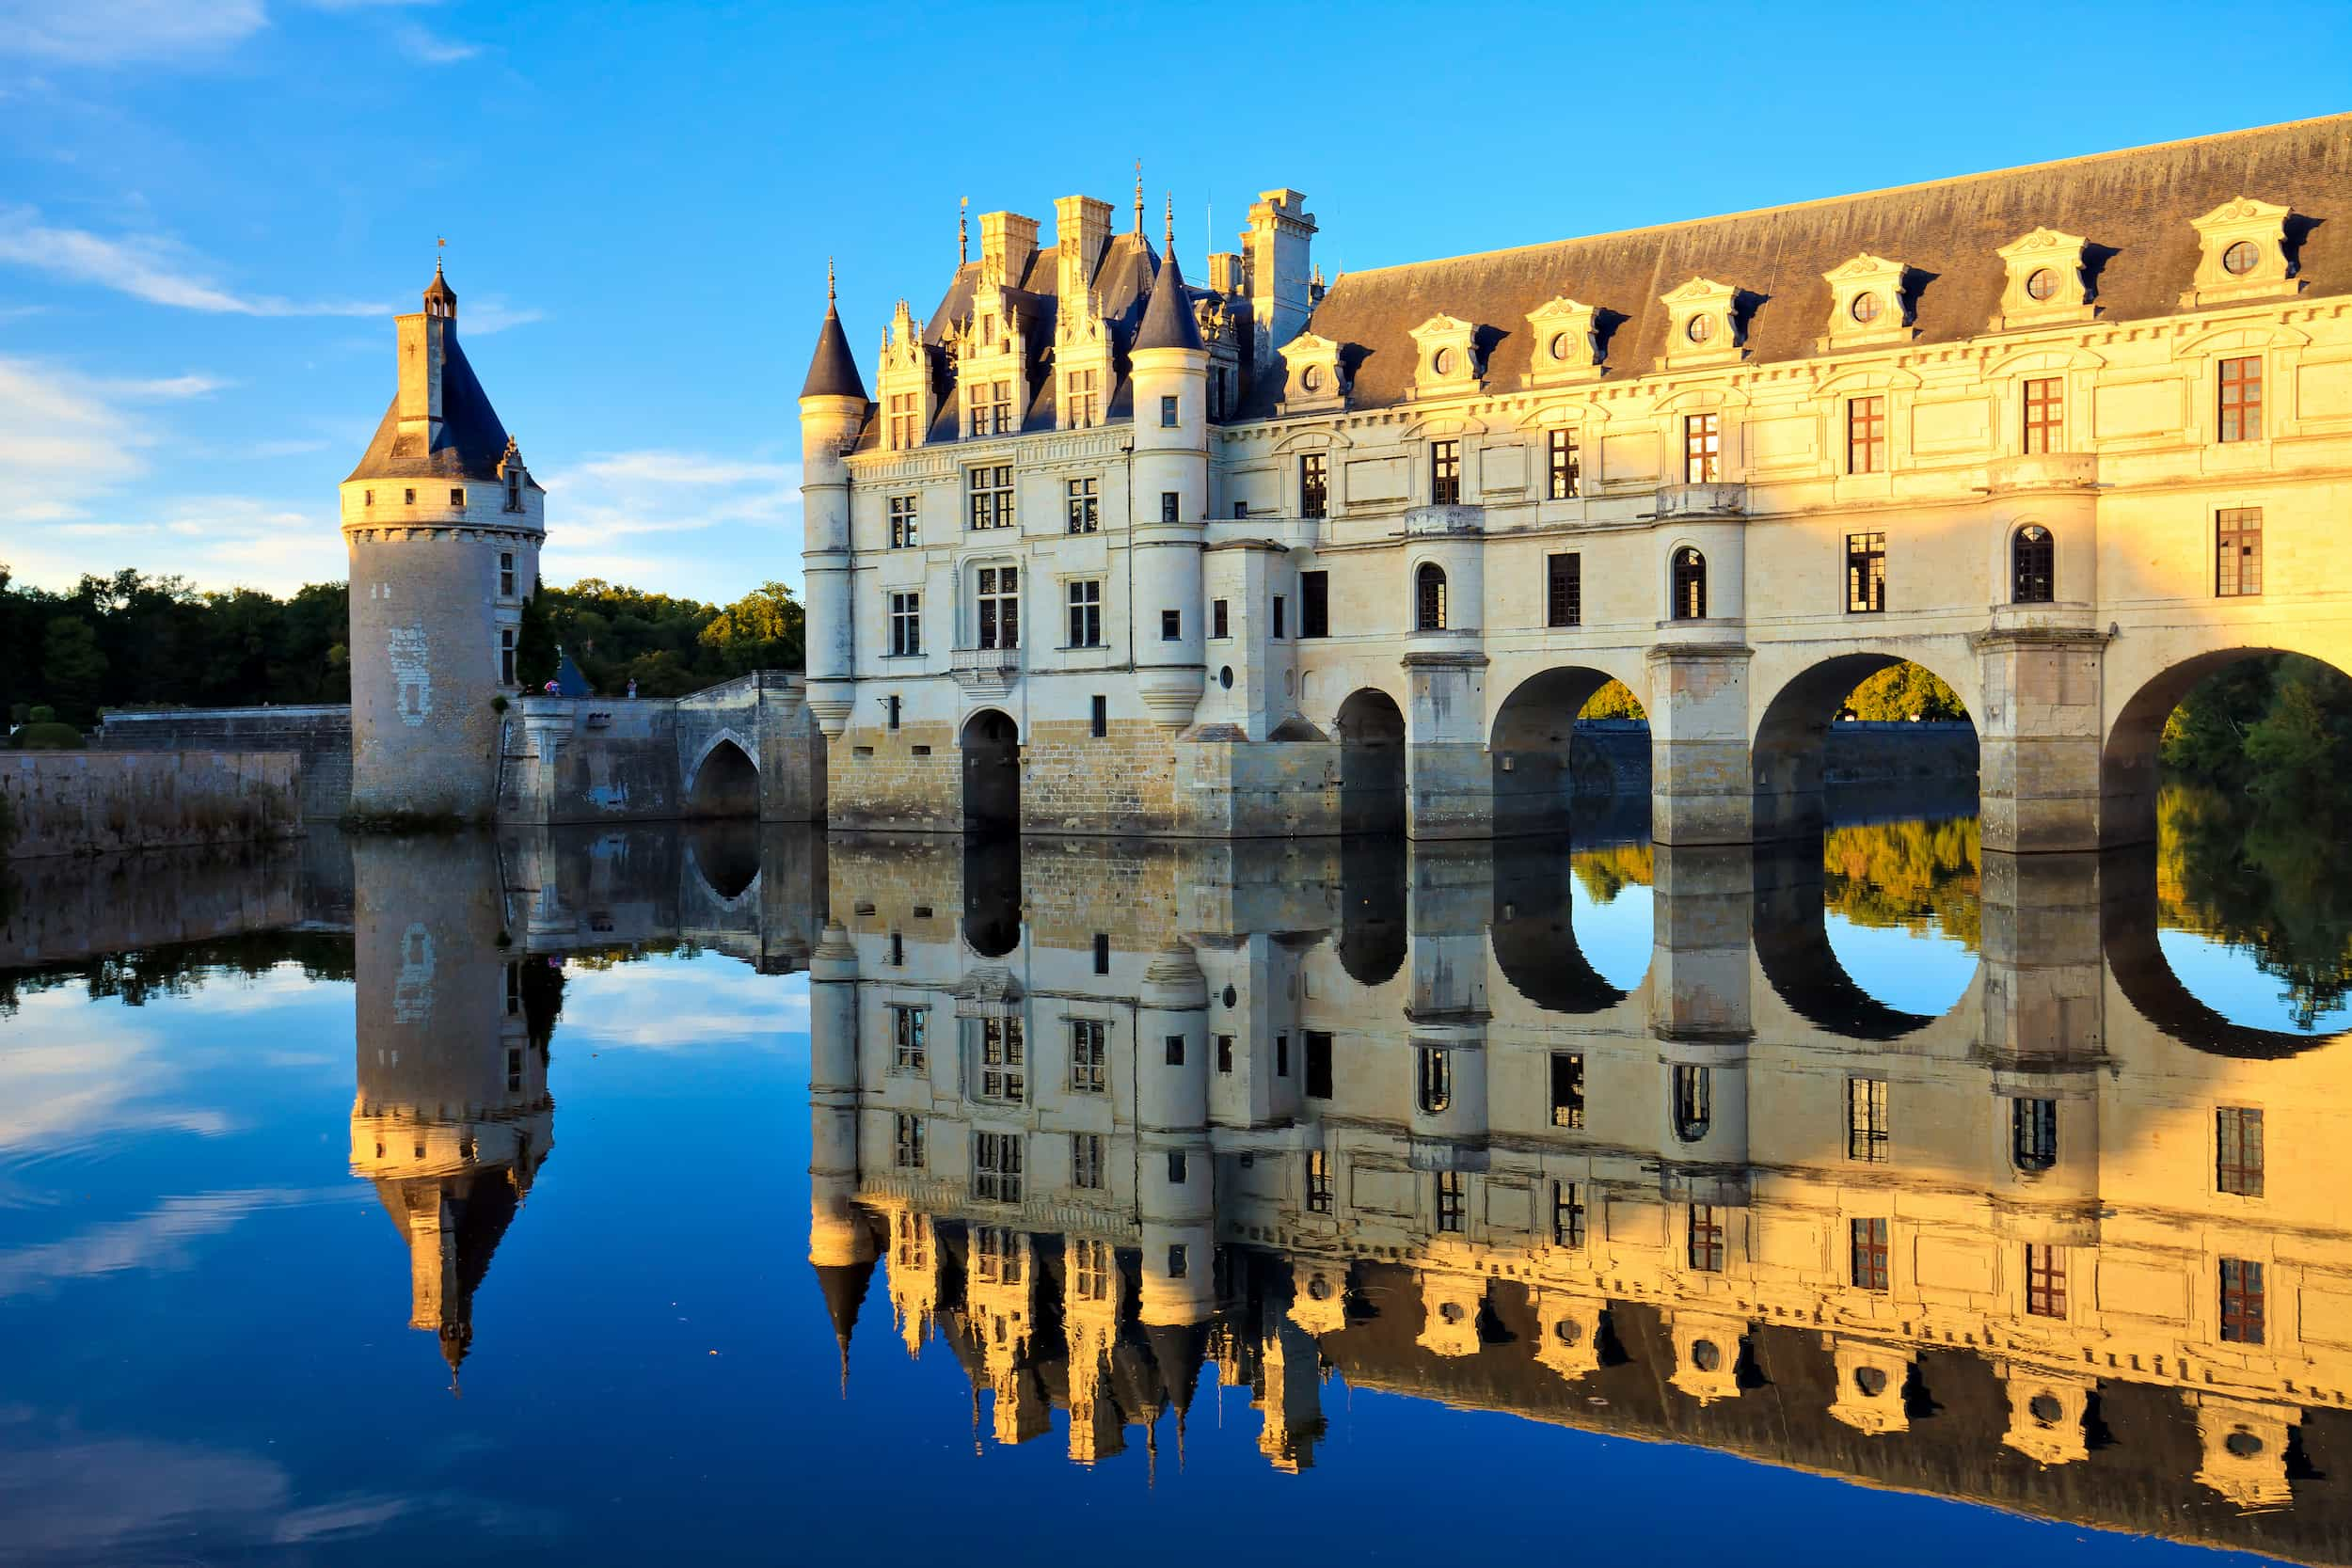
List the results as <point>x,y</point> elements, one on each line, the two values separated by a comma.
<point>321,736</point>
<point>94,803</point>
<point>63,909</point>
<point>908,779</point>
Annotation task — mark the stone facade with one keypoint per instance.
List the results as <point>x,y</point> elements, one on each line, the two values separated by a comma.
<point>101,802</point>
<point>2010,427</point>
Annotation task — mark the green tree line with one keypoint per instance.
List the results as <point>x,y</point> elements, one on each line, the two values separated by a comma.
<point>134,641</point>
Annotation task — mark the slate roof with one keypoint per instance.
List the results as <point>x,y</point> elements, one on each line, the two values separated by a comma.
<point>1168,319</point>
<point>2134,207</point>
<point>833,368</point>
<point>472,440</point>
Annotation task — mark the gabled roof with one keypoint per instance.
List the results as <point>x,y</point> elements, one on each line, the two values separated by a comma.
<point>2137,208</point>
<point>471,443</point>
<point>1168,319</point>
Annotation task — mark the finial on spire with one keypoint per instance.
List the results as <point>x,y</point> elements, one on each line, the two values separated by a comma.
<point>828,292</point>
<point>1169,230</point>
<point>441,243</point>
<point>1139,199</point>
<point>964,233</point>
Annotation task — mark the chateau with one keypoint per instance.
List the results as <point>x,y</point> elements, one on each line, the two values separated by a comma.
<point>1114,548</point>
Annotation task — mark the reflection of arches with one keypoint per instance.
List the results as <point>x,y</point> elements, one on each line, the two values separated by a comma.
<point>1534,751</point>
<point>2127,761</point>
<point>2032,565</point>
<point>1534,940</point>
<point>1372,908</point>
<point>2127,932</point>
<point>1793,951</point>
<point>1372,763</point>
<point>724,781</point>
<point>991,773</point>
<point>1789,752</point>
<point>992,894</point>
<point>725,857</point>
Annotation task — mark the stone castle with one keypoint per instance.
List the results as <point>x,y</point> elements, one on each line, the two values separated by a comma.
<point>1108,549</point>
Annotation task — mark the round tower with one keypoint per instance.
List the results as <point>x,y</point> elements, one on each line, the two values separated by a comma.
<point>444,523</point>
<point>1175,1184</point>
<point>1169,498</point>
<point>832,412</point>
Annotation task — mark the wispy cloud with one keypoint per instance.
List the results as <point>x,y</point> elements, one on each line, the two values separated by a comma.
<point>158,1240</point>
<point>119,32</point>
<point>490,314</point>
<point>749,504</point>
<point>430,48</point>
<point>149,267</point>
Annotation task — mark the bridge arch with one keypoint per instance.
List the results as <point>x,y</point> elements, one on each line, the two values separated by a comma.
<point>1536,756</point>
<point>2146,679</point>
<point>1788,751</point>
<point>723,778</point>
<point>1371,727</point>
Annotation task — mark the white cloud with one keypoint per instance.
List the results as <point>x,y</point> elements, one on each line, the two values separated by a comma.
<point>746,508</point>
<point>63,441</point>
<point>116,32</point>
<point>670,1005</point>
<point>432,49</point>
<point>155,1241</point>
<point>490,314</point>
<point>149,267</point>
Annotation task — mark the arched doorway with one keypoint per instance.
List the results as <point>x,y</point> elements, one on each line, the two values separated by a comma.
<point>991,773</point>
<point>726,782</point>
<point>1372,763</point>
<point>1542,763</point>
<point>1801,746</point>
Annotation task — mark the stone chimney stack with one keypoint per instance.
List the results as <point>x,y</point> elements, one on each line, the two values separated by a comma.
<point>1280,229</point>
<point>1225,272</point>
<point>1007,242</point>
<point>1082,227</point>
<point>424,342</point>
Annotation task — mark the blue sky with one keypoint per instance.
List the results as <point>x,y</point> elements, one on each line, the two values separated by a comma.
<point>208,208</point>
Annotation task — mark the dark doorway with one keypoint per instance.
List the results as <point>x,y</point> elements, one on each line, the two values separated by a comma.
<point>991,774</point>
<point>1372,763</point>
<point>727,783</point>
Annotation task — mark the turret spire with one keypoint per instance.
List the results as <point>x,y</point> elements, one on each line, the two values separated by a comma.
<point>829,290</point>
<point>833,369</point>
<point>1167,230</point>
<point>1167,321</point>
<point>964,230</point>
<point>1139,199</point>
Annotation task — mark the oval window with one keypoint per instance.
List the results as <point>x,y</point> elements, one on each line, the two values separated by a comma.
<point>1870,1382</point>
<point>1705,1356</point>
<point>1865,307</point>
<point>2240,258</point>
<point>2041,283</point>
<point>1700,329</point>
<point>1225,678</point>
<point>1559,345</point>
<point>1443,363</point>
<point>1311,378</point>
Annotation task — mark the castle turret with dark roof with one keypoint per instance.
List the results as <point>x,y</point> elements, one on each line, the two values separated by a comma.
<point>444,523</point>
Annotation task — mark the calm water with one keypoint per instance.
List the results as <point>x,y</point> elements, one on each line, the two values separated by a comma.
<point>752,1197</point>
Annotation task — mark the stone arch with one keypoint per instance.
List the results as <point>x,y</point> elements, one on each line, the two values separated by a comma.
<point>725,779</point>
<point>1372,894</point>
<point>2127,752</point>
<point>1792,948</point>
<point>1540,764</point>
<point>1532,935</point>
<point>991,744</point>
<point>1788,751</point>
<point>725,860</point>
<point>992,894</point>
<point>1371,727</point>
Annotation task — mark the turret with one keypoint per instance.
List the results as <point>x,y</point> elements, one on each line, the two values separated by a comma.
<point>1175,1182</point>
<point>443,524</point>
<point>1169,498</point>
<point>832,412</point>
<point>841,1245</point>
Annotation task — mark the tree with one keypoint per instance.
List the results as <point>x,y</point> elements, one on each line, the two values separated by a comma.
<point>1905,691</point>
<point>72,666</point>
<point>534,645</point>
<point>1614,701</point>
<point>762,630</point>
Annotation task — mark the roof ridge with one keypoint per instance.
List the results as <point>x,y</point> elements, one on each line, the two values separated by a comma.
<point>1947,181</point>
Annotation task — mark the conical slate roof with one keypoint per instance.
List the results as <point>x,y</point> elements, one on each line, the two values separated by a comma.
<point>833,369</point>
<point>1167,318</point>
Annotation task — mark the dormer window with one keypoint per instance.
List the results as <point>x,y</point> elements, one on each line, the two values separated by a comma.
<point>457,500</point>
<point>2243,254</point>
<point>1700,328</point>
<point>2241,258</point>
<point>1567,337</point>
<point>1702,324</point>
<point>1869,302</point>
<point>514,490</point>
<point>1448,351</point>
<point>2047,281</point>
<point>988,331</point>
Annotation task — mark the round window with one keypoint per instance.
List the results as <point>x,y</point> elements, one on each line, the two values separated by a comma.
<point>1569,1332</point>
<point>1225,678</point>
<point>1869,1381</point>
<point>2041,283</point>
<point>1559,345</point>
<point>1700,329</point>
<point>1865,307</point>
<point>1451,1311</point>
<point>1443,363</point>
<point>2240,258</point>
<point>1705,1356</point>
<point>2045,1409</point>
<point>1311,378</point>
<point>2243,1443</point>
<point>1319,1289</point>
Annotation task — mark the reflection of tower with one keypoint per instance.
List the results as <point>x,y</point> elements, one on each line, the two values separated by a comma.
<point>1292,1372</point>
<point>1174,1183</point>
<point>840,1243</point>
<point>452,1117</point>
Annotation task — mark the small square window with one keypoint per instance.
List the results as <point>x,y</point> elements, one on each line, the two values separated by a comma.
<point>457,500</point>
<point>1175,1049</point>
<point>1220,619</point>
<point>1171,625</point>
<point>408,497</point>
<point>1170,501</point>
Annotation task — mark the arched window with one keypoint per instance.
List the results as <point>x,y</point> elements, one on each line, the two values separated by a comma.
<point>2033,1136</point>
<point>1693,1103</point>
<point>1429,598</point>
<point>1690,584</point>
<point>2033,565</point>
<point>1436,1081</point>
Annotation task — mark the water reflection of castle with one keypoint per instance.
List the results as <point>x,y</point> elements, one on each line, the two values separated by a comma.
<point>1284,1109</point>
<point>1108,1120</point>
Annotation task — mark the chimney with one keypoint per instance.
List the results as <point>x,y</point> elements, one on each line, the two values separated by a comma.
<point>1275,264</point>
<point>1082,227</point>
<point>1008,243</point>
<point>1225,275</point>
<point>423,350</point>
